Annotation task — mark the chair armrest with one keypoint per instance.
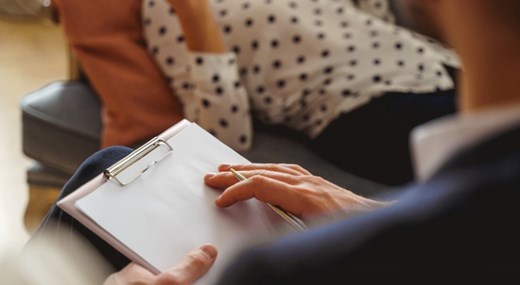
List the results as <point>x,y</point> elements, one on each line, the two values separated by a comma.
<point>61,124</point>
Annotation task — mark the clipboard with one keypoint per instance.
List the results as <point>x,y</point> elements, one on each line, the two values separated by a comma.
<point>147,162</point>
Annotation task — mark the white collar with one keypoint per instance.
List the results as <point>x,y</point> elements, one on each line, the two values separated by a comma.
<point>435,142</point>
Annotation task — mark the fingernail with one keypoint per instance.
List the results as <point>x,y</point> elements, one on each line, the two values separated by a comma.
<point>210,250</point>
<point>209,175</point>
<point>225,166</point>
<point>217,200</point>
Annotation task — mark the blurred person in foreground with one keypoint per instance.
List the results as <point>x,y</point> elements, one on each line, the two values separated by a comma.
<point>61,265</point>
<point>458,221</point>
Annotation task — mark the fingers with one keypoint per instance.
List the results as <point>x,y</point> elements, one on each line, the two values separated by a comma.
<point>292,169</point>
<point>191,268</point>
<point>226,179</point>
<point>282,172</point>
<point>263,188</point>
<point>270,183</point>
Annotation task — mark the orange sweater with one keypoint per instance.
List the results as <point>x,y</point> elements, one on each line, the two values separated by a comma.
<point>106,36</point>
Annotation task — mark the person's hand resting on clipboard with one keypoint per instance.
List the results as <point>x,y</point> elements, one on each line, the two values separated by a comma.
<point>290,187</point>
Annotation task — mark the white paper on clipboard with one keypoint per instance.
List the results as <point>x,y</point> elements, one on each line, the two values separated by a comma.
<point>168,210</point>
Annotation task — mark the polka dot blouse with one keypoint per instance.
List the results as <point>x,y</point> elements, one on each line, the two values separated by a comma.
<point>297,63</point>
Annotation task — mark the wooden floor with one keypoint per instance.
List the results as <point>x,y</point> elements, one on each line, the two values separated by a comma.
<point>31,55</point>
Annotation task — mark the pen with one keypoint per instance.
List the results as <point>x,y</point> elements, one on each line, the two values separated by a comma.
<point>294,221</point>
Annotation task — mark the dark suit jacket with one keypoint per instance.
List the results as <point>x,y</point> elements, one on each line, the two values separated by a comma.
<point>463,223</point>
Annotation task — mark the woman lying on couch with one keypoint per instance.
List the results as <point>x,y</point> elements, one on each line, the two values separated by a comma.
<point>337,75</point>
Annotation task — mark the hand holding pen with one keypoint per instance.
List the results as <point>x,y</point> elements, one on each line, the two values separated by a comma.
<point>294,221</point>
<point>289,187</point>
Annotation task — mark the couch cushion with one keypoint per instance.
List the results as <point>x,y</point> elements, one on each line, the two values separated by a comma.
<point>61,125</point>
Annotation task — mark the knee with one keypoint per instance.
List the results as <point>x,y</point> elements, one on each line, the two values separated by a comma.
<point>103,159</point>
<point>95,165</point>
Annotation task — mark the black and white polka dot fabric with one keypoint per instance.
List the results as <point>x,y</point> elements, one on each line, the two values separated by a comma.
<point>298,63</point>
<point>377,8</point>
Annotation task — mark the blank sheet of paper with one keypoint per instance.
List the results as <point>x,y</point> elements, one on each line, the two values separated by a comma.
<point>169,210</point>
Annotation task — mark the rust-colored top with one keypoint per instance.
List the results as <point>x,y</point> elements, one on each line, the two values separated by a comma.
<point>106,36</point>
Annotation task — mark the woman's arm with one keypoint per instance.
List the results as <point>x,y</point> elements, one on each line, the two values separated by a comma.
<point>200,29</point>
<point>187,45</point>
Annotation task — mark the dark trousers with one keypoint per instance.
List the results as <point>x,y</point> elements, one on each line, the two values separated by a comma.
<point>58,220</point>
<point>373,141</point>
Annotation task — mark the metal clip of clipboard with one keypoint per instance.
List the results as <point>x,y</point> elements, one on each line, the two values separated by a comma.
<point>112,172</point>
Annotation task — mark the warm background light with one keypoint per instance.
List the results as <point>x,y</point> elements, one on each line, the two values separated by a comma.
<point>32,54</point>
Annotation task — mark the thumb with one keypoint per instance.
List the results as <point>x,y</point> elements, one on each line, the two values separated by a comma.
<point>193,266</point>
